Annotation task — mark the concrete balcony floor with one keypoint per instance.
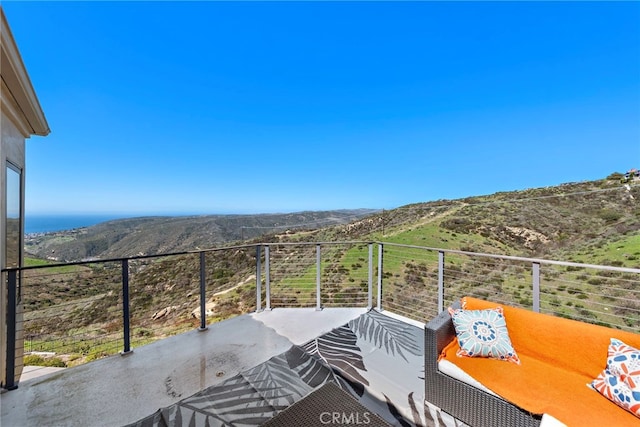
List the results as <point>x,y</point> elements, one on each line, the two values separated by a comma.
<point>123,389</point>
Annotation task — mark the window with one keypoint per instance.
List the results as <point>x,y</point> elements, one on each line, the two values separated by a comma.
<point>13,220</point>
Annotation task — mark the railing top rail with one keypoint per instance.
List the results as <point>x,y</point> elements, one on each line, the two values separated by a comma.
<point>518,258</point>
<point>345,242</point>
<point>451,251</point>
<point>136,257</point>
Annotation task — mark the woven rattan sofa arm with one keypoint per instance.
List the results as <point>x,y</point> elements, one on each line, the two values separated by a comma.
<point>460,400</point>
<point>443,330</point>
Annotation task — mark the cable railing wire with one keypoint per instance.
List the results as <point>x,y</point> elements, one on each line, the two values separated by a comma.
<point>75,310</point>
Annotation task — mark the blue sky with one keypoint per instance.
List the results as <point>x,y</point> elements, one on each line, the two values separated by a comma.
<point>243,107</point>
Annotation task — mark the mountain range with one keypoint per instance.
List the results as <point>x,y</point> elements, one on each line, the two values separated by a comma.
<point>571,221</point>
<point>163,234</point>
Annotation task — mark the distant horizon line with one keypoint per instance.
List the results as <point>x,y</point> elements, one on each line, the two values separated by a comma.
<point>157,214</point>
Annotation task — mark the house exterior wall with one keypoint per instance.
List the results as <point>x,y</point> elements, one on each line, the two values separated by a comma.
<point>12,149</point>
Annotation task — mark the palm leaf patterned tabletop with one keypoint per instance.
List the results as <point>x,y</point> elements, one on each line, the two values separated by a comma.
<point>377,359</point>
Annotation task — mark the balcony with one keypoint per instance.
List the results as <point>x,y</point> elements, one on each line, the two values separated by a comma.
<point>169,336</point>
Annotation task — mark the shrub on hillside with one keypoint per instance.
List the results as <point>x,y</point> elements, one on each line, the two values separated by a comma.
<point>458,225</point>
<point>616,176</point>
<point>35,360</point>
<point>609,215</point>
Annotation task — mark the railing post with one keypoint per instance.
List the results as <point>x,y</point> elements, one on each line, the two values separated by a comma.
<point>318,277</point>
<point>203,294</point>
<point>440,281</point>
<point>125,307</point>
<point>380,250</point>
<point>258,279</point>
<point>370,279</point>
<point>267,276</point>
<point>536,286</point>
<point>12,305</point>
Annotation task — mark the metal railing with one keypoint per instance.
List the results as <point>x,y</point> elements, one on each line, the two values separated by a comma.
<point>82,311</point>
<point>321,274</point>
<point>421,281</point>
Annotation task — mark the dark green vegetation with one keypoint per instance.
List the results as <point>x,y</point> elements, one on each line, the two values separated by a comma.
<point>75,311</point>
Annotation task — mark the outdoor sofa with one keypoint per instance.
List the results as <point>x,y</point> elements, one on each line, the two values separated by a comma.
<point>558,358</point>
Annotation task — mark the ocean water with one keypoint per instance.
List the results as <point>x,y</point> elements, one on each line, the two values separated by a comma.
<point>48,223</point>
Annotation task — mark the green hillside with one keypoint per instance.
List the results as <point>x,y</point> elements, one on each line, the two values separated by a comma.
<point>595,222</point>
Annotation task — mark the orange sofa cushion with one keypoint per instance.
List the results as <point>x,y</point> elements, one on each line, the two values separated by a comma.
<point>559,357</point>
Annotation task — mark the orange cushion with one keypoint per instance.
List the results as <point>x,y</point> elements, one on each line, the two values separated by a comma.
<point>559,357</point>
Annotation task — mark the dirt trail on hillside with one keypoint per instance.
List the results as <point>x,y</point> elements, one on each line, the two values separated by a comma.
<point>429,218</point>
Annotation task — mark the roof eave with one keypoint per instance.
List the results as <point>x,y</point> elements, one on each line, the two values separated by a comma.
<point>17,83</point>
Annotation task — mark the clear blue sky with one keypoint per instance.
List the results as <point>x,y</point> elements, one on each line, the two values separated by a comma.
<point>242,107</point>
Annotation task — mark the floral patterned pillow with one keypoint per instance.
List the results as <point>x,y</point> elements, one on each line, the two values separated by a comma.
<point>483,333</point>
<point>620,379</point>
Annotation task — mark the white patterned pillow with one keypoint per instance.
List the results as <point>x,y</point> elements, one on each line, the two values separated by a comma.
<point>483,333</point>
<point>620,379</point>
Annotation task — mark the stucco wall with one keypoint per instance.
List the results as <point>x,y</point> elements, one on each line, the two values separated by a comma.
<point>12,143</point>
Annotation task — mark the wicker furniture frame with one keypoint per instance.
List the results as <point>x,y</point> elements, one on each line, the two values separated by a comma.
<point>466,403</point>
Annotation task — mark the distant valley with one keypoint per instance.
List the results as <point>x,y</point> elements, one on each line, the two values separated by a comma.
<point>160,234</point>
<point>592,221</point>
